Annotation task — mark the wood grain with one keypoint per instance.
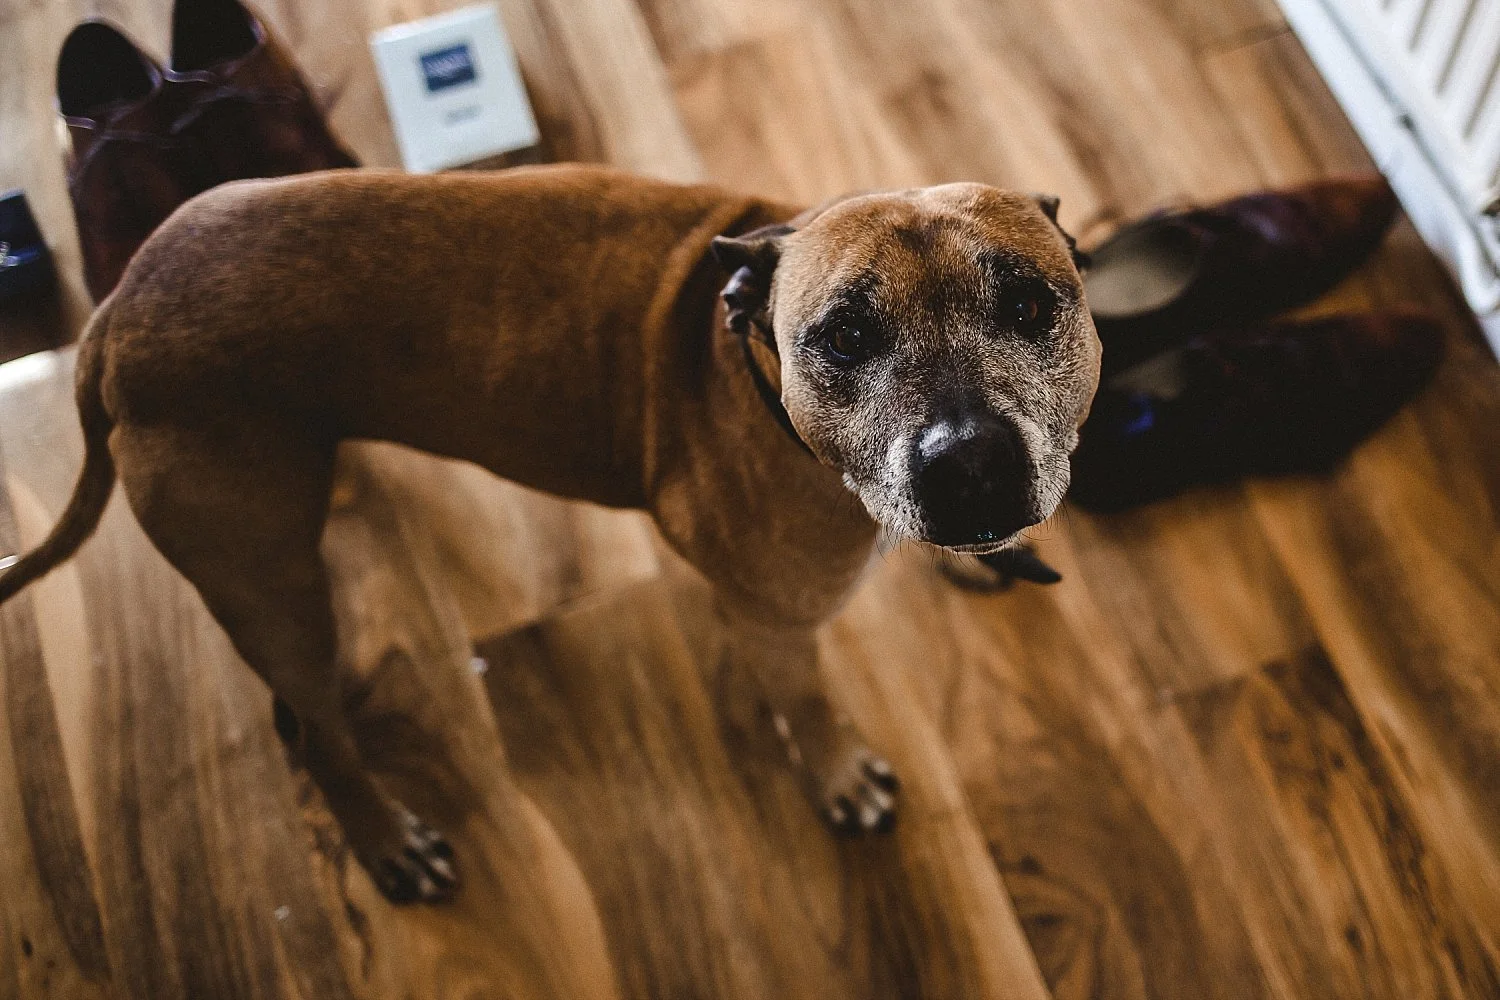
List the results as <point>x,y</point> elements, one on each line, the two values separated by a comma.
<point>1250,747</point>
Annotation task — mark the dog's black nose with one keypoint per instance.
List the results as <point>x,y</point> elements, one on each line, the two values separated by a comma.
<point>973,480</point>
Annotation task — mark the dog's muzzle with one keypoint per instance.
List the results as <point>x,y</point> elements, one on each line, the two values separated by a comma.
<point>973,480</point>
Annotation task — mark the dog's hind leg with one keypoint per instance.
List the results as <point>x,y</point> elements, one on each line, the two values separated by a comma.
<point>239,510</point>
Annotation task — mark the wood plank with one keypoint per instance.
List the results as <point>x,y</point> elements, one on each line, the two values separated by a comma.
<point>630,743</point>
<point>1364,908</point>
<point>1395,562</point>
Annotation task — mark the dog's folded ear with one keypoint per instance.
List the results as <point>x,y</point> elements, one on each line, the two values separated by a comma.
<point>758,250</point>
<point>1049,203</point>
<point>751,261</point>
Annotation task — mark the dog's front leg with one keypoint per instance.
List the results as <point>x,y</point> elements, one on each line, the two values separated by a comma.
<point>851,786</point>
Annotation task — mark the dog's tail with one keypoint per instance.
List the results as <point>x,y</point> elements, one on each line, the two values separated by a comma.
<point>95,482</point>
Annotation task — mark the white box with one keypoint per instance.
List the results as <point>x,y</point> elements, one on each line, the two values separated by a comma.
<point>453,89</point>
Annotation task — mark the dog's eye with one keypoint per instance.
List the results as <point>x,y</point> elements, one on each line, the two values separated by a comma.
<point>849,343</point>
<point>1030,313</point>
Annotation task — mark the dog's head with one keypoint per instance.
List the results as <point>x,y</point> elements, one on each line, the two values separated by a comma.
<point>935,348</point>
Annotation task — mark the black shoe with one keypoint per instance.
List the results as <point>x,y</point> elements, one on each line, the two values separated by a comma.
<point>1291,398</point>
<point>1171,275</point>
<point>25,263</point>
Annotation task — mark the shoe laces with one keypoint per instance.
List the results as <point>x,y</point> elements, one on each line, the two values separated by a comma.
<point>228,92</point>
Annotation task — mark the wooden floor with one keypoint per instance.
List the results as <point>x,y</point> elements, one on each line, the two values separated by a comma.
<point>1249,748</point>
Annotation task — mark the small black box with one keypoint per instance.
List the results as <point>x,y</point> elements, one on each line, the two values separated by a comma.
<point>25,263</point>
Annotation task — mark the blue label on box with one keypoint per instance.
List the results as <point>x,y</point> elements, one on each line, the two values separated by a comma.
<point>448,67</point>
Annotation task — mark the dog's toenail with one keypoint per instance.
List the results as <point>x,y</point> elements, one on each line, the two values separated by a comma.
<point>881,773</point>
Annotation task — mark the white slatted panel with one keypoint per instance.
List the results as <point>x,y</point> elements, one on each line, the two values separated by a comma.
<point>1442,57</point>
<point>1420,80</point>
<point>1437,44</point>
<point>1402,19</point>
<point>1474,64</point>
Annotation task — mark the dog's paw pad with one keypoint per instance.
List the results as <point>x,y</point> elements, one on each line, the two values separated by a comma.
<point>864,801</point>
<point>419,870</point>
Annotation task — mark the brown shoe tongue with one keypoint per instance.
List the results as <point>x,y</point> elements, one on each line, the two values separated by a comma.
<point>147,121</point>
<point>264,70</point>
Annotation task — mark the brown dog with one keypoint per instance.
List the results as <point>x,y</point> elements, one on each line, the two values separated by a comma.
<point>563,327</point>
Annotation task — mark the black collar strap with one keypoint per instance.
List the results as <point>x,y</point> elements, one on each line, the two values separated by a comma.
<point>768,395</point>
<point>744,301</point>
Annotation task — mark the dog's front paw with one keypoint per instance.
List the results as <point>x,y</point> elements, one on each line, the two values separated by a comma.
<point>416,868</point>
<point>859,796</point>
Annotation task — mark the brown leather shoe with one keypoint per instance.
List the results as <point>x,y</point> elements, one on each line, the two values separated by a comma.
<point>1160,280</point>
<point>143,140</point>
<point>1292,397</point>
<point>127,171</point>
<point>247,106</point>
